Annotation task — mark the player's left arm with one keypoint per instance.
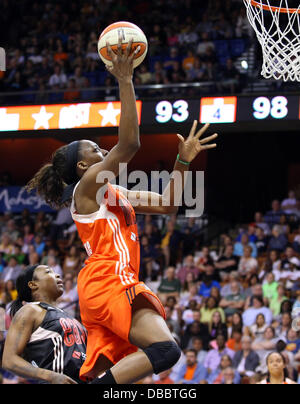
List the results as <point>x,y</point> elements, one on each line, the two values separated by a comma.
<point>146,202</point>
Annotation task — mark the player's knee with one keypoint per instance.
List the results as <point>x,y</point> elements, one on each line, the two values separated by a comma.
<point>163,355</point>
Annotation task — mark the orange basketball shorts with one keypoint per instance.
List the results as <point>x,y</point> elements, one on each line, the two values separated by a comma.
<point>105,307</point>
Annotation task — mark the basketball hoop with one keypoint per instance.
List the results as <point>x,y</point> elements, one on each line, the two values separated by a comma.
<point>278,31</point>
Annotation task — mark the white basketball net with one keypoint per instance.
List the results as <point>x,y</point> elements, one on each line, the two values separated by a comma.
<point>279,36</point>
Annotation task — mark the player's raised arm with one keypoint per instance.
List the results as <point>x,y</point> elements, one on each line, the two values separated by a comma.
<point>129,135</point>
<point>168,202</point>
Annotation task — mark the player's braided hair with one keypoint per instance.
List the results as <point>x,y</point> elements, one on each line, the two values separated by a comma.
<point>53,178</point>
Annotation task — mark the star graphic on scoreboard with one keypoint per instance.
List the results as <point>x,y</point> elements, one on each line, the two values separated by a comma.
<point>42,118</point>
<point>109,115</point>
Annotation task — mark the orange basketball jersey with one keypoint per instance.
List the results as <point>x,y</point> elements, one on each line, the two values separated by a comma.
<point>109,283</point>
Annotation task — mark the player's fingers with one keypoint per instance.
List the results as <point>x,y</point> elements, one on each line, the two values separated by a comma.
<point>109,50</point>
<point>133,55</point>
<point>193,130</point>
<point>209,139</point>
<point>181,138</point>
<point>129,46</point>
<point>209,146</point>
<point>120,50</point>
<point>202,130</point>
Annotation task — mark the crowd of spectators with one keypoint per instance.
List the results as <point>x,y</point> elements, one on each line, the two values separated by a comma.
<point>228,304</point>
<point>53,45</point>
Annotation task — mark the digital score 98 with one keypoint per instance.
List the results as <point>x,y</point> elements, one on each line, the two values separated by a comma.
<point>276,108</point>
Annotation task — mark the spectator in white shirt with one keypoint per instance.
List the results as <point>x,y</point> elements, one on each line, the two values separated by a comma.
<point>58,78</point>
<point>247,265</point>
<point>289,205</point>
<point>250,315</point>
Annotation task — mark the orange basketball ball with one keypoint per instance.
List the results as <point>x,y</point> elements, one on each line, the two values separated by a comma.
<point>126,30</point>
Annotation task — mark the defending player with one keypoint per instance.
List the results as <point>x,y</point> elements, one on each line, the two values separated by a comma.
<point>277,372</point>
<point>43,342</point>
<point>120,313</point>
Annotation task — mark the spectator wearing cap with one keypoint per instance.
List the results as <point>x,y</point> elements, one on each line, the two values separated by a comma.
<point>249,316</point>
<point>290,273</point>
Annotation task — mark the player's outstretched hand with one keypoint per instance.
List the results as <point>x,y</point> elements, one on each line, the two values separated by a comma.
<point>122,60</point>
<point>57,378</point>
<point>189,148</point>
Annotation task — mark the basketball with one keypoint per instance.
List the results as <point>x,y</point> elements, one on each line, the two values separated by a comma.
<point>127,31</point>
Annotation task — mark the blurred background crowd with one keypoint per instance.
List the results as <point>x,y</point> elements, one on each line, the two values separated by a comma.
<point>230,301</point>
<point>228,304</point>
<point>52,45</point>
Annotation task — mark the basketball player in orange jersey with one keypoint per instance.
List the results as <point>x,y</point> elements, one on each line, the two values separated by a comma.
<point>120,313</point>
<point>277,371</point>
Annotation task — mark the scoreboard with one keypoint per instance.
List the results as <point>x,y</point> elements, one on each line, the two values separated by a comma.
<point>222,110</point>
<point>157,116</point>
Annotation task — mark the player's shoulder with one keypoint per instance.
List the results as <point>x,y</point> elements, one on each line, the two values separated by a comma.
<point>30,310</point>
<point>289,381</point>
